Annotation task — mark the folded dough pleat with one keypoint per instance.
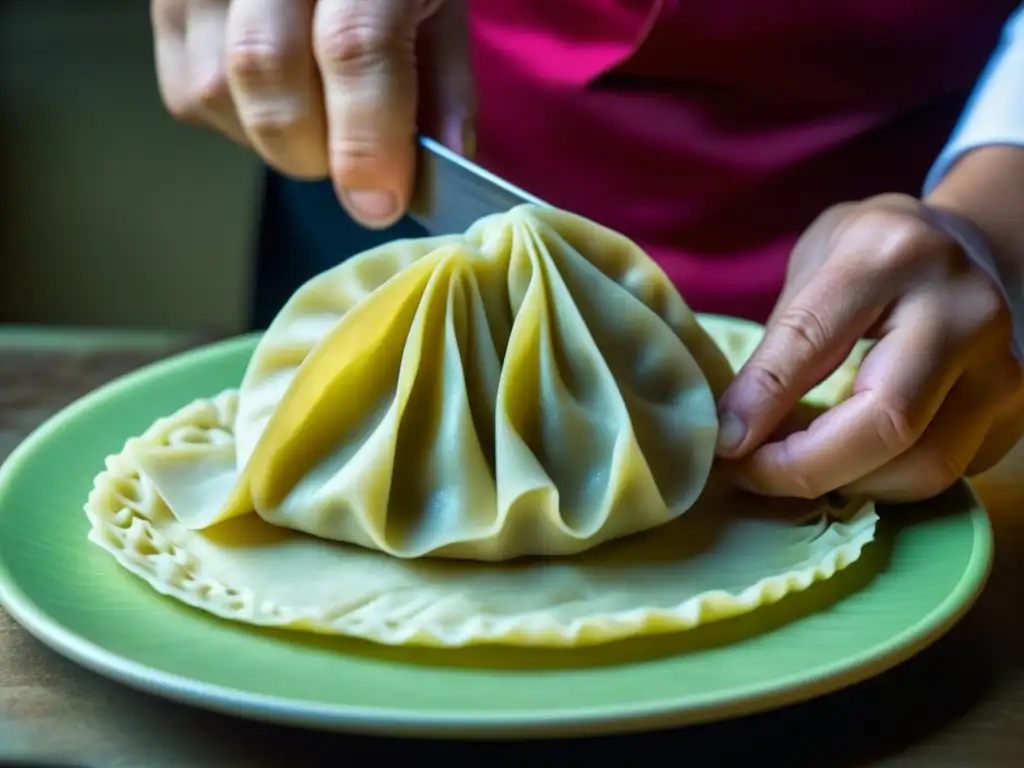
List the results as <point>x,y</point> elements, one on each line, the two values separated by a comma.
<point>601,251</point>
<point>559,403</point>
<point>307,320</point>
<point>325,462</point>
<point>416,471</point>
<point>193,468</point>
<point>662,388</point>
<point>442,479</point>
<point>194,480</point>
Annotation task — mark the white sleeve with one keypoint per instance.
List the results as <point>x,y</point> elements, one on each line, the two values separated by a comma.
<point>995,112</point>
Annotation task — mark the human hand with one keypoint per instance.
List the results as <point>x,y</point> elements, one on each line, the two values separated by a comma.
<point>322,88</point>
<point>938,396</point>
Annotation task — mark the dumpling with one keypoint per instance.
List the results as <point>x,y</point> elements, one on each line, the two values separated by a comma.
<point>535,386</point>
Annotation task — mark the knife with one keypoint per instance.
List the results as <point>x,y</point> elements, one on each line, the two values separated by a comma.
<point>451,192</point>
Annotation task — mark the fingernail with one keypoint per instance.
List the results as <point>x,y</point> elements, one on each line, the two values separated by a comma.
<point>372,205</point>
<point>731,431</point>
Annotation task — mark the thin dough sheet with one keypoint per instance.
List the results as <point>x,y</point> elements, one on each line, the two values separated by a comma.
<point>728,555</point>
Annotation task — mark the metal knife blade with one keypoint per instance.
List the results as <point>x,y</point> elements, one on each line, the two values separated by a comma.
<point>451,192</point>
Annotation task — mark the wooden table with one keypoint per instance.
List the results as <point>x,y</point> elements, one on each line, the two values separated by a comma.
<point>959,704</point>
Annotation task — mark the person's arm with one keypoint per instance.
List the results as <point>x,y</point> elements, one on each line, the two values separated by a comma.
<point>980,173</point>
<point>938,395</point>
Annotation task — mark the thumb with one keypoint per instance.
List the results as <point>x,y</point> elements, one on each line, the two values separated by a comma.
<point>447,99</point>
<point>366,53</point>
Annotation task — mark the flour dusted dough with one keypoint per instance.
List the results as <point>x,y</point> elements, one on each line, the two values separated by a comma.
<point>728,555</point>
<point>535,386</point>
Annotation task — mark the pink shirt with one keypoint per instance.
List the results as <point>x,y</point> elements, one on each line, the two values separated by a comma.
<point>713,131</point>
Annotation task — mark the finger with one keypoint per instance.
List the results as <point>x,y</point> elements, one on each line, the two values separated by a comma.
<point>275,83</point>
<point>815,240</point>
<point>809,339</point>
<point>207,75</point>
<point>901,385</point>
<point>967,434</point>
<point>447,102</point>
<point>940,457</point>
<point>365,50</point>
<point>172,70</point>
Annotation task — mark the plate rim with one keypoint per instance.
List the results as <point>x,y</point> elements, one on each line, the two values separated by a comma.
<point>411,722</point>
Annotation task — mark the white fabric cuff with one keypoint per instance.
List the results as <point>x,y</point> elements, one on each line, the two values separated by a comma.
<point>993,115</point>
<point>995,112</point>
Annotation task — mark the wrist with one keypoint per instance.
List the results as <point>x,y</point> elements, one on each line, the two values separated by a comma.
<point>985,188</point>
<point>979,204</point>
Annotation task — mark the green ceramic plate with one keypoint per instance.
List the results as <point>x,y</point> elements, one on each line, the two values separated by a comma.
<point>924,571</point>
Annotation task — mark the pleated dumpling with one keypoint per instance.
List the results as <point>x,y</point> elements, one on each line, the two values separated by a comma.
<point>535,386</point>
